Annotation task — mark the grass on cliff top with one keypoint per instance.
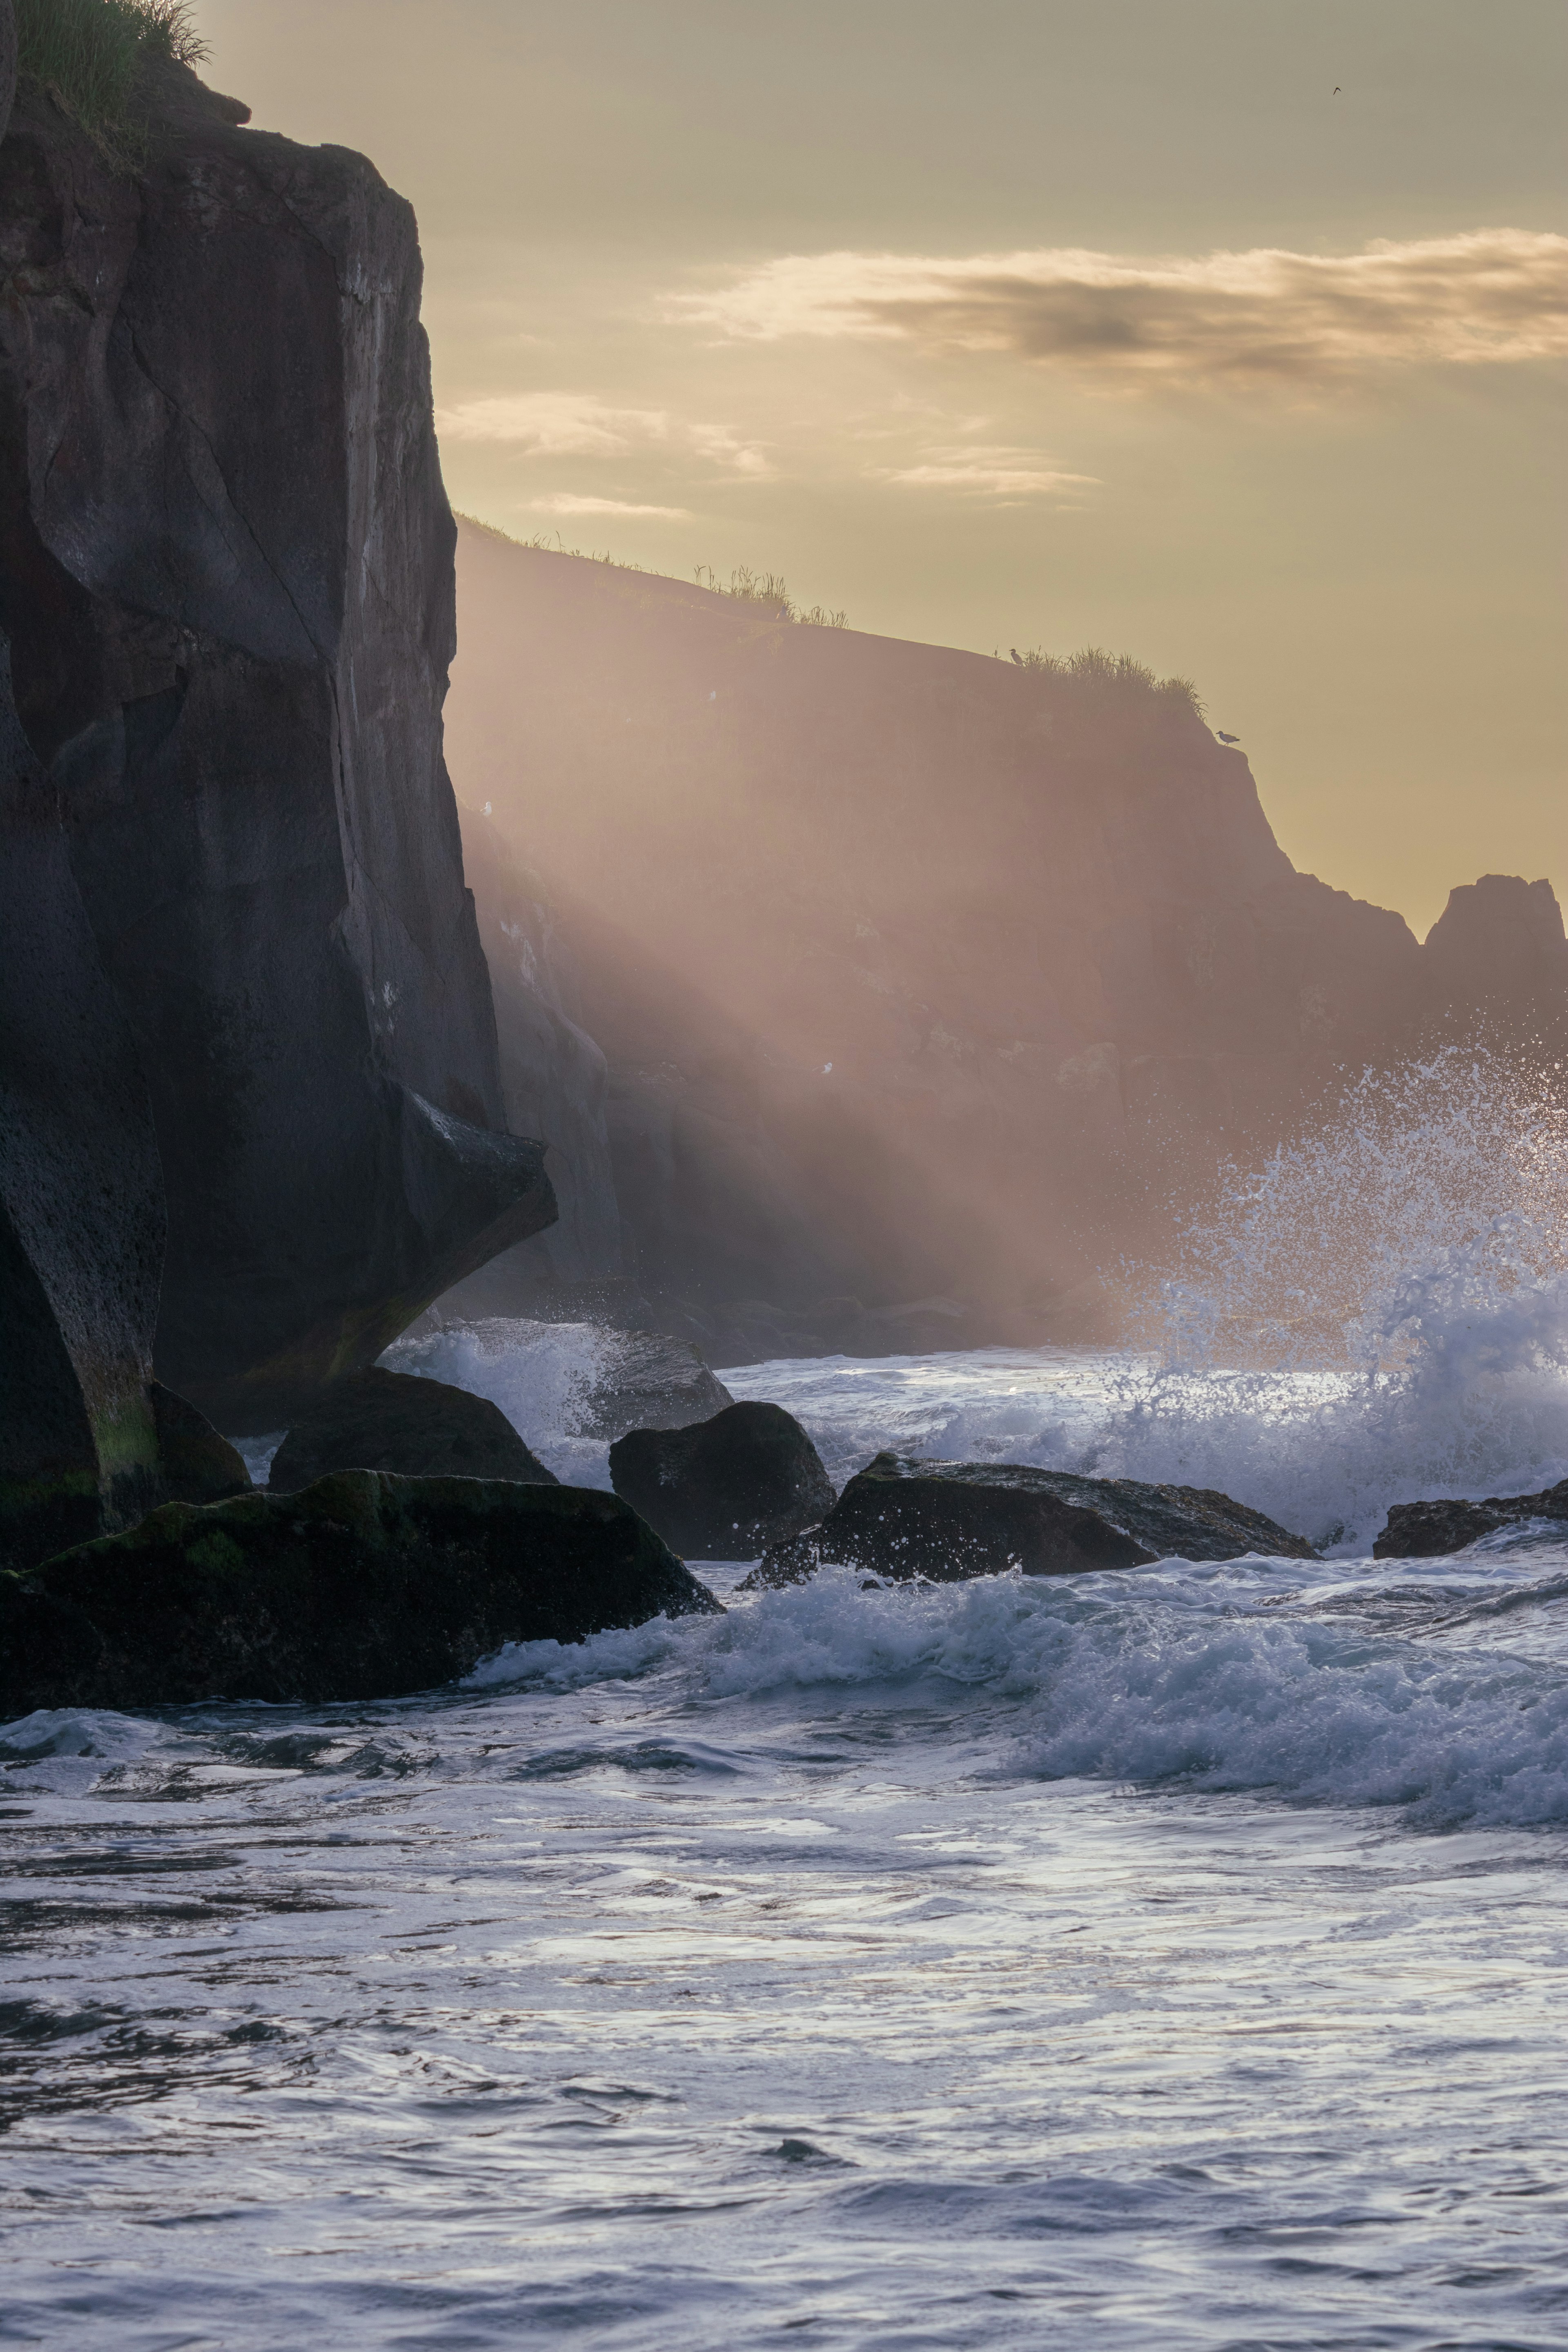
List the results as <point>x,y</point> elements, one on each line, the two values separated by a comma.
<point>1108,674</point>
<point>1112,677</point>
<point>89,54</point>
<point>768,588</point>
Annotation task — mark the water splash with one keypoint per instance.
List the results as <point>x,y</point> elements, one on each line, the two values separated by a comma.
<point>1378,1313</point>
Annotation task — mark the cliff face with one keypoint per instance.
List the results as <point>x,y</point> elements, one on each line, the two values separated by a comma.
<point>916,972</point>
<point>226,571</point>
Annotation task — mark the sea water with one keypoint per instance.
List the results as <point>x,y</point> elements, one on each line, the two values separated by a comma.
<point>1172,1956</point>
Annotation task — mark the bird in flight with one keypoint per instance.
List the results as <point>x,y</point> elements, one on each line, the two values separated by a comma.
<point>1336,90</point>
<point>1222,737</point>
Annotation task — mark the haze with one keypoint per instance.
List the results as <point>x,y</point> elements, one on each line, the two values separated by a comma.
<point>920,307</point>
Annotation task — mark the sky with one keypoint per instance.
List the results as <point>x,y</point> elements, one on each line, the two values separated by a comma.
<point>1227,334</point>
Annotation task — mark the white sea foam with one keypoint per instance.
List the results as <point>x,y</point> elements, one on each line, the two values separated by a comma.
<point>541,1375</point>
<point>1259,1675</point>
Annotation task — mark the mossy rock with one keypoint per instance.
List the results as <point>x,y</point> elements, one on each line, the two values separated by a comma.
<point>365,1586</point>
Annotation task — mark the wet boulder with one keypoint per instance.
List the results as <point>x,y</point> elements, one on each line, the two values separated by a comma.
<point>417,1428</point>
<point>948,1520</point>
<point>365,1586</point>
<point>1429,1530</point>
<point>724,1489</point>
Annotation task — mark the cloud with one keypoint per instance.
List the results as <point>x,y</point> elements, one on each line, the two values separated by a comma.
<point>1007,475</point>
<point>580,425</point>
<point>554,424</point>
<point>568,502</point>
<point>1246,319</point>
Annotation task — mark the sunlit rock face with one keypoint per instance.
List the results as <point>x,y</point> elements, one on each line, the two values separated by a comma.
<point>926,981</point>
<point>228,580</point>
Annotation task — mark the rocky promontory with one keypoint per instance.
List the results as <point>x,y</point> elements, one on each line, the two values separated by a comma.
<point>251,1113</point>
<point>228,584</point>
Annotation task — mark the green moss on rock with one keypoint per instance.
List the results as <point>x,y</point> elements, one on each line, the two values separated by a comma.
<point>364,1586</point>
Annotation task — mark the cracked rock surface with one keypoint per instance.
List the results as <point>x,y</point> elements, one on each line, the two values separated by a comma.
<point>226,571</point>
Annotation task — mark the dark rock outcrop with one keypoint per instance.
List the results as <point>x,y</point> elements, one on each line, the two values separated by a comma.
<point>725,1489</point>
<point>226,570</point>
<point>1426,1530</point>
<point>949,1521</point>
<point>196,1464</point>
<point>363,1587</point>
<point>81,1199</point>
<point>416,1428</point>
<point>1497,958</point>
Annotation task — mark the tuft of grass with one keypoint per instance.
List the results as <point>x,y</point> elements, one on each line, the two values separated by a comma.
<point>1108,674</point>
<point>546,543</point>
<point>89,54</point>
<point>768,588</point>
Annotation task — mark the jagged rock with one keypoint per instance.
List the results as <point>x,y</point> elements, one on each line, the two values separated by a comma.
<point>196,1464</point>
<point>365,1586</point>
<point>417,1428</point>
<point>948,1520</point>
<point>1426,1530</point>
<point>81,1198</point>
<point>228,585</point>
<point>724,1489</point>
<point>1496,958</point>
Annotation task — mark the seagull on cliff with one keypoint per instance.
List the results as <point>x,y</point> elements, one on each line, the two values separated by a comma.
<point>1220,736</point>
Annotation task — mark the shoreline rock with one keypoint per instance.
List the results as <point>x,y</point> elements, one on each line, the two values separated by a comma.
<point>904,1518</point>
<point>416,1428</point>
<point>724,1489</point>
<point>365,1586</point>
<point>1427,1530</point>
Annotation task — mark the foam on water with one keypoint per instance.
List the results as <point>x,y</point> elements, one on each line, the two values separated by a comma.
<point>1254,1674</point>
<point>1165,1956</point>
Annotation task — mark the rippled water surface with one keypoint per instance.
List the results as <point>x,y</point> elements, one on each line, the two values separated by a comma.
<point>1161,1959</point>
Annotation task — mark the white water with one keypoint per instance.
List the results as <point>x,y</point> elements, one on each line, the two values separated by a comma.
<point>1172,1958</point>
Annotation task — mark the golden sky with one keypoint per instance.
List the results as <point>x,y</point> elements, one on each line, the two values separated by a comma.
<point>1010,322</point>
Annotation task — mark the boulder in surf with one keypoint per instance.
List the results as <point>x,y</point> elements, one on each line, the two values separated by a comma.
<point>365,1586</point>
<point>727,1488</point>
<point>901,1517</point>
<point>1427,1530</point>
<point>416,1428</point>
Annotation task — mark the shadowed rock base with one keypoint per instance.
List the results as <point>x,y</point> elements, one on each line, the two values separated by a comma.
<point>416,1428</point>
<point>365,1586</point>
<point>725,1489</point>
<point>949,1521</point>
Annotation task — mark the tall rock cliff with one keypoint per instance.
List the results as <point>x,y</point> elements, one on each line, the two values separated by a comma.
<point>225,572</point>
<point>928,983</point>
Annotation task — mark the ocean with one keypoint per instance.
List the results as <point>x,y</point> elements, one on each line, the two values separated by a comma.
<point>1165,1957</point>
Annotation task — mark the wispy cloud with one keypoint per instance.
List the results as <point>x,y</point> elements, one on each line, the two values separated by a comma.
<point>580,425</point>
<point>569,502</point>
<point>1221,319</point>
<point>1007,476</point>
